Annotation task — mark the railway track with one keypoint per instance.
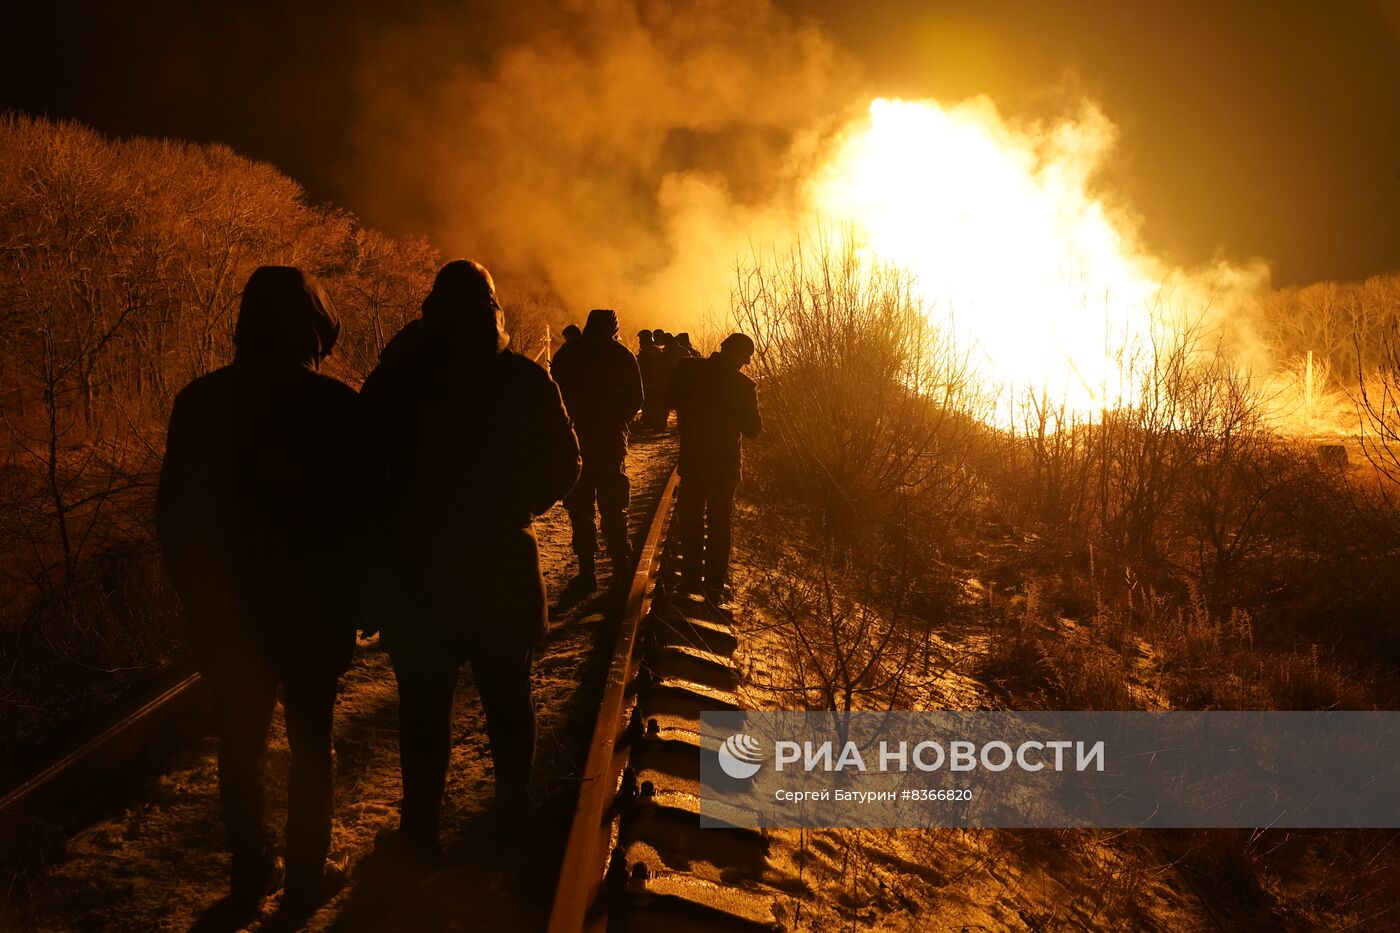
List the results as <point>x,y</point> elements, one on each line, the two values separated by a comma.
<point>41,807</point>
<point>635,857</point>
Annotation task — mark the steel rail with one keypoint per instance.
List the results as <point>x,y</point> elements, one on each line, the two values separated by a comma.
<point>590,833</point>
<point>51,798</point>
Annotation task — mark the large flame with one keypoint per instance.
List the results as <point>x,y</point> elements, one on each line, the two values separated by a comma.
<point>1001,230</point>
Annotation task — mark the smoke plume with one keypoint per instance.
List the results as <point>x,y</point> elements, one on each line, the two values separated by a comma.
<point>621,155</point>
<point>626,153</point>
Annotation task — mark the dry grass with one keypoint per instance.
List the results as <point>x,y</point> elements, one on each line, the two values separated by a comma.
<point>63,659</point>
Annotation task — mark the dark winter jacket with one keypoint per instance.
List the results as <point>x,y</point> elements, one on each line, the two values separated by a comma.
<point>715,403</point>
<point>651,362</point>
<point>466,442</point>
<point>254,490</point>
<point>599,380</point>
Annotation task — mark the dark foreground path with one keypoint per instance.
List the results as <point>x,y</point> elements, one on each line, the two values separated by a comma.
<point>157,863</point>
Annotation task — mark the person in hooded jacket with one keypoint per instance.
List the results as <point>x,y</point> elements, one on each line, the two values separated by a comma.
<point>715,405</point>
<point>252,516</point>
<point>466,442</point>
<point>602,389</point>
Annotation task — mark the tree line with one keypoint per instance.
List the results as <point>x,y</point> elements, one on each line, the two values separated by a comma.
<point>121,267</point>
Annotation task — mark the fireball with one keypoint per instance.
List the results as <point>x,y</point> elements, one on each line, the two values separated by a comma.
<point>1001,230</point>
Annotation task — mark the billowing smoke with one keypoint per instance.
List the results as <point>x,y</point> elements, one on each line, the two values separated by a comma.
<point>627,153</point>
<point>621,155</point>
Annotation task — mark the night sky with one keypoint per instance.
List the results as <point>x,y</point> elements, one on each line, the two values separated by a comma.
<point>1248,129</point>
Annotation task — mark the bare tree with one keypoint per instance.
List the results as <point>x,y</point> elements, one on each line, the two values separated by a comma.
<point>1378,399</point>
<point>121,266</point>
<point>868,399</point>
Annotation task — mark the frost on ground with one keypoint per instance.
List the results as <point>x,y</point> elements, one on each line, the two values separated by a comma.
<point>158,863</point>
<point>922,879</point>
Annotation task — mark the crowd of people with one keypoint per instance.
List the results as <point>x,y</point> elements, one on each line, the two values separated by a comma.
<point>658,353</point>
<point>294,512</point>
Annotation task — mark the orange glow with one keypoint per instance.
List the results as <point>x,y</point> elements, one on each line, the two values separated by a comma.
<point>1001,231</point>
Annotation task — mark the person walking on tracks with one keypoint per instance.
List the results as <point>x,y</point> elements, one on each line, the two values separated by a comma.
<point>252,518</point>
<point>467,442</point>
<point>651,362</point>
<point>602,389</point>
<point>715,403</point>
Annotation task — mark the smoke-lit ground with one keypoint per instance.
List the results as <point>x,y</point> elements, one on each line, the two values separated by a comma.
<point>157,864</point>
<point>158,861</point>
<point>970,657</point>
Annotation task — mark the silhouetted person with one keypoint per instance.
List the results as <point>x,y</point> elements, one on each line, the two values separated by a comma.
<point>572,333</point>
<point>251,515</point>
<point>651,362</point>
<point>663,341</point>
<point>602,390</point>
<point>715,403</point>
<point>684,340</point>
<point>672,352</point>
<point>467,442</point>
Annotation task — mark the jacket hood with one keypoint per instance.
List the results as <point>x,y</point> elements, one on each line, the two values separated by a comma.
<point>601,325</point>
<point>462,308</point>
<point>284,317</point>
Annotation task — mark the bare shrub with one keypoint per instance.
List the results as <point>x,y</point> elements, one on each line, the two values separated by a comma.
<point>868,403</point>
<point>1037,663</point>
<point>1342,879</point>
<point>1049,459</point>
<point>1379,403</point>
<point>869,420</point>
<point>1015,661</point>
<point>847,627</point>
